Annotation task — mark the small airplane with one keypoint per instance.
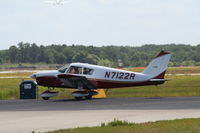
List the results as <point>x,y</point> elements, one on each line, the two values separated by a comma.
<point>57,2</point>
<point>86,78</point>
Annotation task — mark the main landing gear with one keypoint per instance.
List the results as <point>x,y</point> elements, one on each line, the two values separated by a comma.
<point>86,97</point>
<point>79,95</point>
<point>46,95</point>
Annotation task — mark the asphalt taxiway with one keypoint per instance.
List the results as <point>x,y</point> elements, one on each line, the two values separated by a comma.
<point>23,116</point>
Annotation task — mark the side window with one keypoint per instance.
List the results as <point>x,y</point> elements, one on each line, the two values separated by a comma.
<point>88,71</point>
<point>75,70</point>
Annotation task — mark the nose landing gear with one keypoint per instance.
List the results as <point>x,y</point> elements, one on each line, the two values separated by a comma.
<point>78,95</point>
<point>46,95</point>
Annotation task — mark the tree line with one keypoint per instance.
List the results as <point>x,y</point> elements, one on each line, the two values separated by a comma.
<point>129,56</point>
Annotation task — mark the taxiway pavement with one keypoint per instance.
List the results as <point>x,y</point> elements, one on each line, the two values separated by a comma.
<point>24,116</point>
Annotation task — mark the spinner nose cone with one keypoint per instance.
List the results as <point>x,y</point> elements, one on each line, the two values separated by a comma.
<point>33,76</point>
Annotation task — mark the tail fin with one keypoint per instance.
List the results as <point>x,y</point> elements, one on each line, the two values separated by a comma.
<point>157,67</point>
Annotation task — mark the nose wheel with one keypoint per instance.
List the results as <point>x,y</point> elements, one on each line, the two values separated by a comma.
<point>78,95</point>
<point>46,95</point>
<point>78,98</point>
<point>86,97</point>
<point>45,98</point>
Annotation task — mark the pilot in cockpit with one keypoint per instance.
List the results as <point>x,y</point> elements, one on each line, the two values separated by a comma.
<point>74,70</point>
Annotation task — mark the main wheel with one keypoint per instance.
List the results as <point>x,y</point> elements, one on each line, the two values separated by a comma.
<point>78,98</point>
<point>88,97</point>
<point>46,98</point>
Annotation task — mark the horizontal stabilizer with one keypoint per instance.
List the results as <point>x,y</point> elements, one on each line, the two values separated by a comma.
<point>158,80</point>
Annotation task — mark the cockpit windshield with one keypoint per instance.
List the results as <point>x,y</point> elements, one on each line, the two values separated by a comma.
<point>63,69</point>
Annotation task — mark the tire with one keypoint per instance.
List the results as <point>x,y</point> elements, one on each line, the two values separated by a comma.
<point>46,98</point>
<point>88,97</point>
<point>78,98</point>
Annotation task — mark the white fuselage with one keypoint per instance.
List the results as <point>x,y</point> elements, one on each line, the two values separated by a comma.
<point>83,75</point>
<point>86,77</point>
<point>102,77</point>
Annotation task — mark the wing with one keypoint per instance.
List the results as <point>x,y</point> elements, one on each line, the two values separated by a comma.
<point>75,81</point>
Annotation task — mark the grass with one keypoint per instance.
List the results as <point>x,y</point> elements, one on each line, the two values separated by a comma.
<point>14,65</point>
<point>20,64</point>
<point>182,85</point>
<point>116,126</point>
<point>18,74</point>
<point>173,70</point>
<point>9,89</point>
<point>183,70</point>
<point>177,86</point>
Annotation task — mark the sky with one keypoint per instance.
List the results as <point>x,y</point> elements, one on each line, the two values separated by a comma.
<point>100,22</point>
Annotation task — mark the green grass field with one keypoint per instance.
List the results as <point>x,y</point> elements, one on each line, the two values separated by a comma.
<point>173,70</point>
<point>9,89</point>
<point>182,85</point>
<point>177,86</point>
<point>116,126</point>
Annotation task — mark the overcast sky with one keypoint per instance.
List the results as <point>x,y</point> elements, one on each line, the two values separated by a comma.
<point>100,22</point>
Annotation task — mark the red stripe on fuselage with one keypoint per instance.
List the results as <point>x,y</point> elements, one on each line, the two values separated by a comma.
<point>49,81</point>
<point>160,76</point>
<point>118,84</point>
<point>52,81</point>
